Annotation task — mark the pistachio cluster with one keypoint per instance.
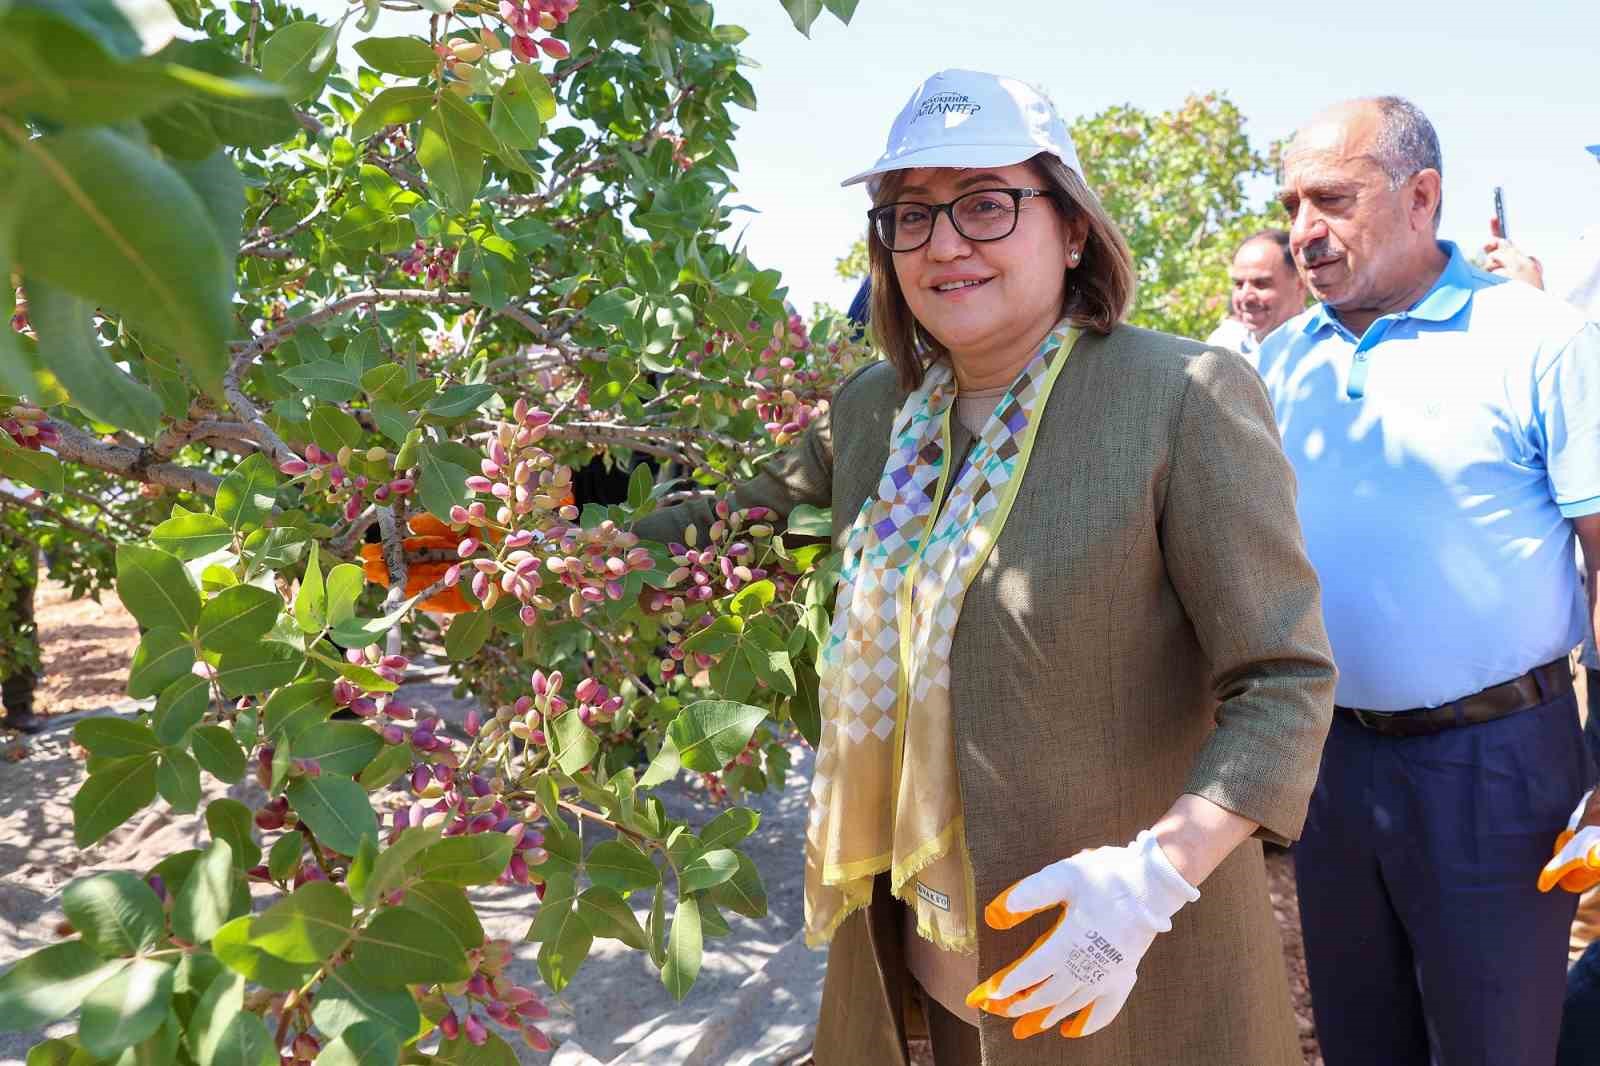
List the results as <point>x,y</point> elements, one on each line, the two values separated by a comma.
<point>501,1001</point>
<point>724,565</point>
<point>28,426</point>
<point>348,476</point>
<point>788,397</point>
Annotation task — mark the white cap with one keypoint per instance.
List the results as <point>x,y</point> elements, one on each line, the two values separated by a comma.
<point>965,118</point>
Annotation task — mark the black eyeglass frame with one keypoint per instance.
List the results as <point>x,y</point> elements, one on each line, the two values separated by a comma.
<point>948,207</point>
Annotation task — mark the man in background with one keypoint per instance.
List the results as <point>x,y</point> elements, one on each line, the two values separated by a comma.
<point>1444,426</point>
<point>1267,292</point>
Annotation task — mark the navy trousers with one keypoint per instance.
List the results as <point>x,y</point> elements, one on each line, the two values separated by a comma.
<point>1427,940</point>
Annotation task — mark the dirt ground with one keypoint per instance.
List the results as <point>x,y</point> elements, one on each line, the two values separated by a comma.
<point>87,648</point>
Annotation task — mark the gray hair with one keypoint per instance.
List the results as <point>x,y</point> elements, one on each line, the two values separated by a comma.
<point>1406,144</point>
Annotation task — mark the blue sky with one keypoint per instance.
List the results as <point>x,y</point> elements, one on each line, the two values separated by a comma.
<point>1513,88</point>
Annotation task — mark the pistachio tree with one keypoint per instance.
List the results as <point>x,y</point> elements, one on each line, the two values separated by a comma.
<point>318,363</point>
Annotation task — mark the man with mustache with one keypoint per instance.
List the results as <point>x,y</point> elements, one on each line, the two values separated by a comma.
<point>1267,292</point>
<point>1444,426</point>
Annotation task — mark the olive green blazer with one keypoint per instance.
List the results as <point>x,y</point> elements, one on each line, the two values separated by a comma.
<point>1146,625</point>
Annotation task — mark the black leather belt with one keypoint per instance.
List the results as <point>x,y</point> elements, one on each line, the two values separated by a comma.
<point>1537,686</point>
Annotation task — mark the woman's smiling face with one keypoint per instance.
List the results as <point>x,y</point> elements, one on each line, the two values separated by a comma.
<point>986,300</point>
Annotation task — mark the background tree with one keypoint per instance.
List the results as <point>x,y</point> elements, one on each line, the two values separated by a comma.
<point>1179,183</point>
<point>279,330</point>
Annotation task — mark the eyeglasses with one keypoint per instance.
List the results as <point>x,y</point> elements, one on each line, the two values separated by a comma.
<point>981,215</point>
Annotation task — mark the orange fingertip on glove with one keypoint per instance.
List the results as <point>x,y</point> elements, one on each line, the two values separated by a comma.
<point>1575,860</point>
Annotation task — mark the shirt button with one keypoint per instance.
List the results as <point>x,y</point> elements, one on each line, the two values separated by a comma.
<point>1361,357</point>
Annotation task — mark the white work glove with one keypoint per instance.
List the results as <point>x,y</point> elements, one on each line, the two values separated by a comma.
<point>1114,901</point>
<point>1576,863</point>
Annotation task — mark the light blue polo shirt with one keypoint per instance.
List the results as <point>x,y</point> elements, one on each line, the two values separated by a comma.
<point>1440,458</point>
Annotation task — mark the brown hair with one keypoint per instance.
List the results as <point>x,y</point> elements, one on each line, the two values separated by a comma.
<point>1098,293</point>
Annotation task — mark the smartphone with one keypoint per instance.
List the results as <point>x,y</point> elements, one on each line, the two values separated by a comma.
<point>1500,213</point>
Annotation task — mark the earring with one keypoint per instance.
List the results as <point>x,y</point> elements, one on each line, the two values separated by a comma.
<point>1073,257</point>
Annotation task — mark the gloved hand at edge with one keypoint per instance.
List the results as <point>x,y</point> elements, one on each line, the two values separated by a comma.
<point>1114,902</point>
<point>1575,866</point>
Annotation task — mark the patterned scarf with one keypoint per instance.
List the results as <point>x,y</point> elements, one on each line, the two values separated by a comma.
<point>885,795</point>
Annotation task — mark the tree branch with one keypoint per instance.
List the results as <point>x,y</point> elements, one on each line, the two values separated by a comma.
<point>51,515</point>
<point>138,464</point>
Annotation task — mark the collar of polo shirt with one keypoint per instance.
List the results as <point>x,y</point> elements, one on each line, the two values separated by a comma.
<point>1451,293</point>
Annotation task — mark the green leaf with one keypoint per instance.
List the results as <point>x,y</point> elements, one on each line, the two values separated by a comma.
<point>126,1007</point>
<point>202,904</point>
<point>459,401</point>
<point>345,583</point>
<point>257,118</point>
<point>710,733</point>
<point>50,984</point>
<point>452,164</point>
<point>448,905</point>
<point>305,927</point>
<point>345,999</point>
<point>180,708</point>
<point>359,632</point>
<point>656,926</point>
<point>401,946</point>
<point>246,495</point>
<point>467,634</point>
<point>392,868</point>
<point>842,9</point>
<point>607,914</point>
<point>338,747</point>
<point>336,809</point>
<point>115,913</point>
<point>707,870</point>
<point>729,827</point>
<point>753,599</point>
<point>684,950</point>
<point>329,380</point>
<point>297,57</point>
<point>664,767</point>
<point>383,379</point>
<point>522,106</point>
<point>222,1033</point>
<point>231,944</point>
<point>442,484</point>
<point>407,56</point>
<point>274,549</point>
<point>561,954</point>
<point>743,893</point>
<point>362,1044</point>
<point>111,795</point>
<point>163,658</point>
<point>298,708</point>
<point>333,429</point>
<point>231,820</point>
<point>178,781</point>
<point>236,618</point>
<point>220,187</point>
<point>189,536</point>
<point>572,742</point>
<point>217,751</point>
<point>261,668</point>
<point>284,858</point>
<point>555,909</point>
<point>65,325</point>
<point>466,860</point>
<point>103,218</point>
<point>765,651</point>
<point>621,867</point>
<point>111,737</point>
<point>155,588</point>
<point>38,469</point>
<point>311,602</point>
<point>393,107</point>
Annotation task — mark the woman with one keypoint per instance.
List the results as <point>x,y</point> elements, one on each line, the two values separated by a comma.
<point>1075,611</point>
